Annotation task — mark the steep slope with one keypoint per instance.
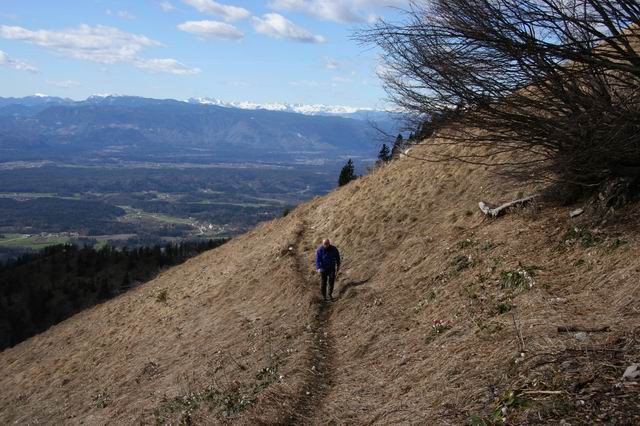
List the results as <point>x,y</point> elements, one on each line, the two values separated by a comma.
<point>442,317</point>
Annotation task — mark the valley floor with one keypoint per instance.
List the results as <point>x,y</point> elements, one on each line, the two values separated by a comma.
<point>441,317</point>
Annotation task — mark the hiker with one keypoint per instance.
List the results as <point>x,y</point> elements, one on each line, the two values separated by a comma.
<point>327,265</point>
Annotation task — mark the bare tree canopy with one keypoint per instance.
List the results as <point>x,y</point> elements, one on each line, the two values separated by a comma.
<point>558,79</point>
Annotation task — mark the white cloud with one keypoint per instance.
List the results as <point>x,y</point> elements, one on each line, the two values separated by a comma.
<point>99,44</point>
<point>339,79</point>
<point>167,6</point>
<point>68,84</point>
<point>277,26</point>
<point>304,83</point>
<point>17,64</point>
<point>124,14</point>
<point>165,65</point>
<point>345,11</point>
<point>331,64</point>
<point>212,30</point>
<point>102,44</point>
<point>229,13</point>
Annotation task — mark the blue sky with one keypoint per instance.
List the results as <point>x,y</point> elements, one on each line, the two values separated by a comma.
<point>296,51</point>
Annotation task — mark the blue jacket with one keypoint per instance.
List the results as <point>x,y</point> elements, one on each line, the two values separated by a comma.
<point>327,259</point>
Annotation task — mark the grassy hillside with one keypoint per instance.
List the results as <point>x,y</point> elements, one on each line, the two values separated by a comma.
<point>441,317</point>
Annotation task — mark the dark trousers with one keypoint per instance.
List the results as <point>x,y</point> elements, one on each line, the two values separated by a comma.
<point>327,279</point>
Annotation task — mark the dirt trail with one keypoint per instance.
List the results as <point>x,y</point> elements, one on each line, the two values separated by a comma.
<point>320,358</point>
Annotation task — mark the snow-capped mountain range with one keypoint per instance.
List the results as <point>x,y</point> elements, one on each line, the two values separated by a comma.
<point>308,109</point>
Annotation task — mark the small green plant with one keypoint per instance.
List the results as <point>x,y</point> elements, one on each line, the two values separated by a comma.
<point>102,399</point>
<point>522,276</point>
<point>228,400</point>
<point>491,327</point>
<point>266,377</point>
<point>150,369</point>
<point>461,262</point>
<point>425,300</point>
<point>162,296</point>
<point>475,420</point>
<point>470,293</point>
<point>616,243</point>
<point>503,308</point>
<point>487,245</point>
<point>510,400</point>
<point>438,327</point>
<point>465,243</point>
<point>581,235</point>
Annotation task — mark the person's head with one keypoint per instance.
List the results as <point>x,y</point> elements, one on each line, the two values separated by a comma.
<point>326,243</point>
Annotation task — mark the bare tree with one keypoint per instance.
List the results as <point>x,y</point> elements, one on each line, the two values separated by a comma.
<point>556,79</point>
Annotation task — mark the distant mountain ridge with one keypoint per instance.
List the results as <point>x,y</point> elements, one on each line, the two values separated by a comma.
<point>136,128</point>
<point>307,109</point>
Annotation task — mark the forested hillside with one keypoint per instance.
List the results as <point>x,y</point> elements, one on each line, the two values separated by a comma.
<point>41,289</point>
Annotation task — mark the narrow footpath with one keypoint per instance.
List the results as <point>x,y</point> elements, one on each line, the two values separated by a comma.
<point>320,353</point>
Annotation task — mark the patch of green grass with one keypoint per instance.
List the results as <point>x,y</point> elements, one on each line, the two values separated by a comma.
<point>34,242</point>
<point>510,401</point>
<point>138,215</point>
<point>229,400</point>
<point>580,235</point>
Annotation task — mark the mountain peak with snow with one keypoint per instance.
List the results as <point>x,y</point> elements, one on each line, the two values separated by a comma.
<point>307,109</point>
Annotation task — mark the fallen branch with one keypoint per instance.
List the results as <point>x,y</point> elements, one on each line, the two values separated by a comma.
<point>497,211</point>
<point>576,328</point>
<point>542,392</point>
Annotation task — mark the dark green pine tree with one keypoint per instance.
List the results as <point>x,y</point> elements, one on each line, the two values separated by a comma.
<point>384,156</point>
<point>398,145</point>
<point>347,174</point>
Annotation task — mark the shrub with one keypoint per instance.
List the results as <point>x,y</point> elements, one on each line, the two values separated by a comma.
<point>553,79</point>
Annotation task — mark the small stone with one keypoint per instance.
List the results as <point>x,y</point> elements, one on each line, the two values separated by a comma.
<point>632,372</point>
<point>582,336</point>
<point>576,212</point>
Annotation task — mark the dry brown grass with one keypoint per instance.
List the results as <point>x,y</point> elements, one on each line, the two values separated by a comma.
<point>415,249</point>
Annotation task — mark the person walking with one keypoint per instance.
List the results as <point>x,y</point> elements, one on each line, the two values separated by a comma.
<point>327,265</point>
